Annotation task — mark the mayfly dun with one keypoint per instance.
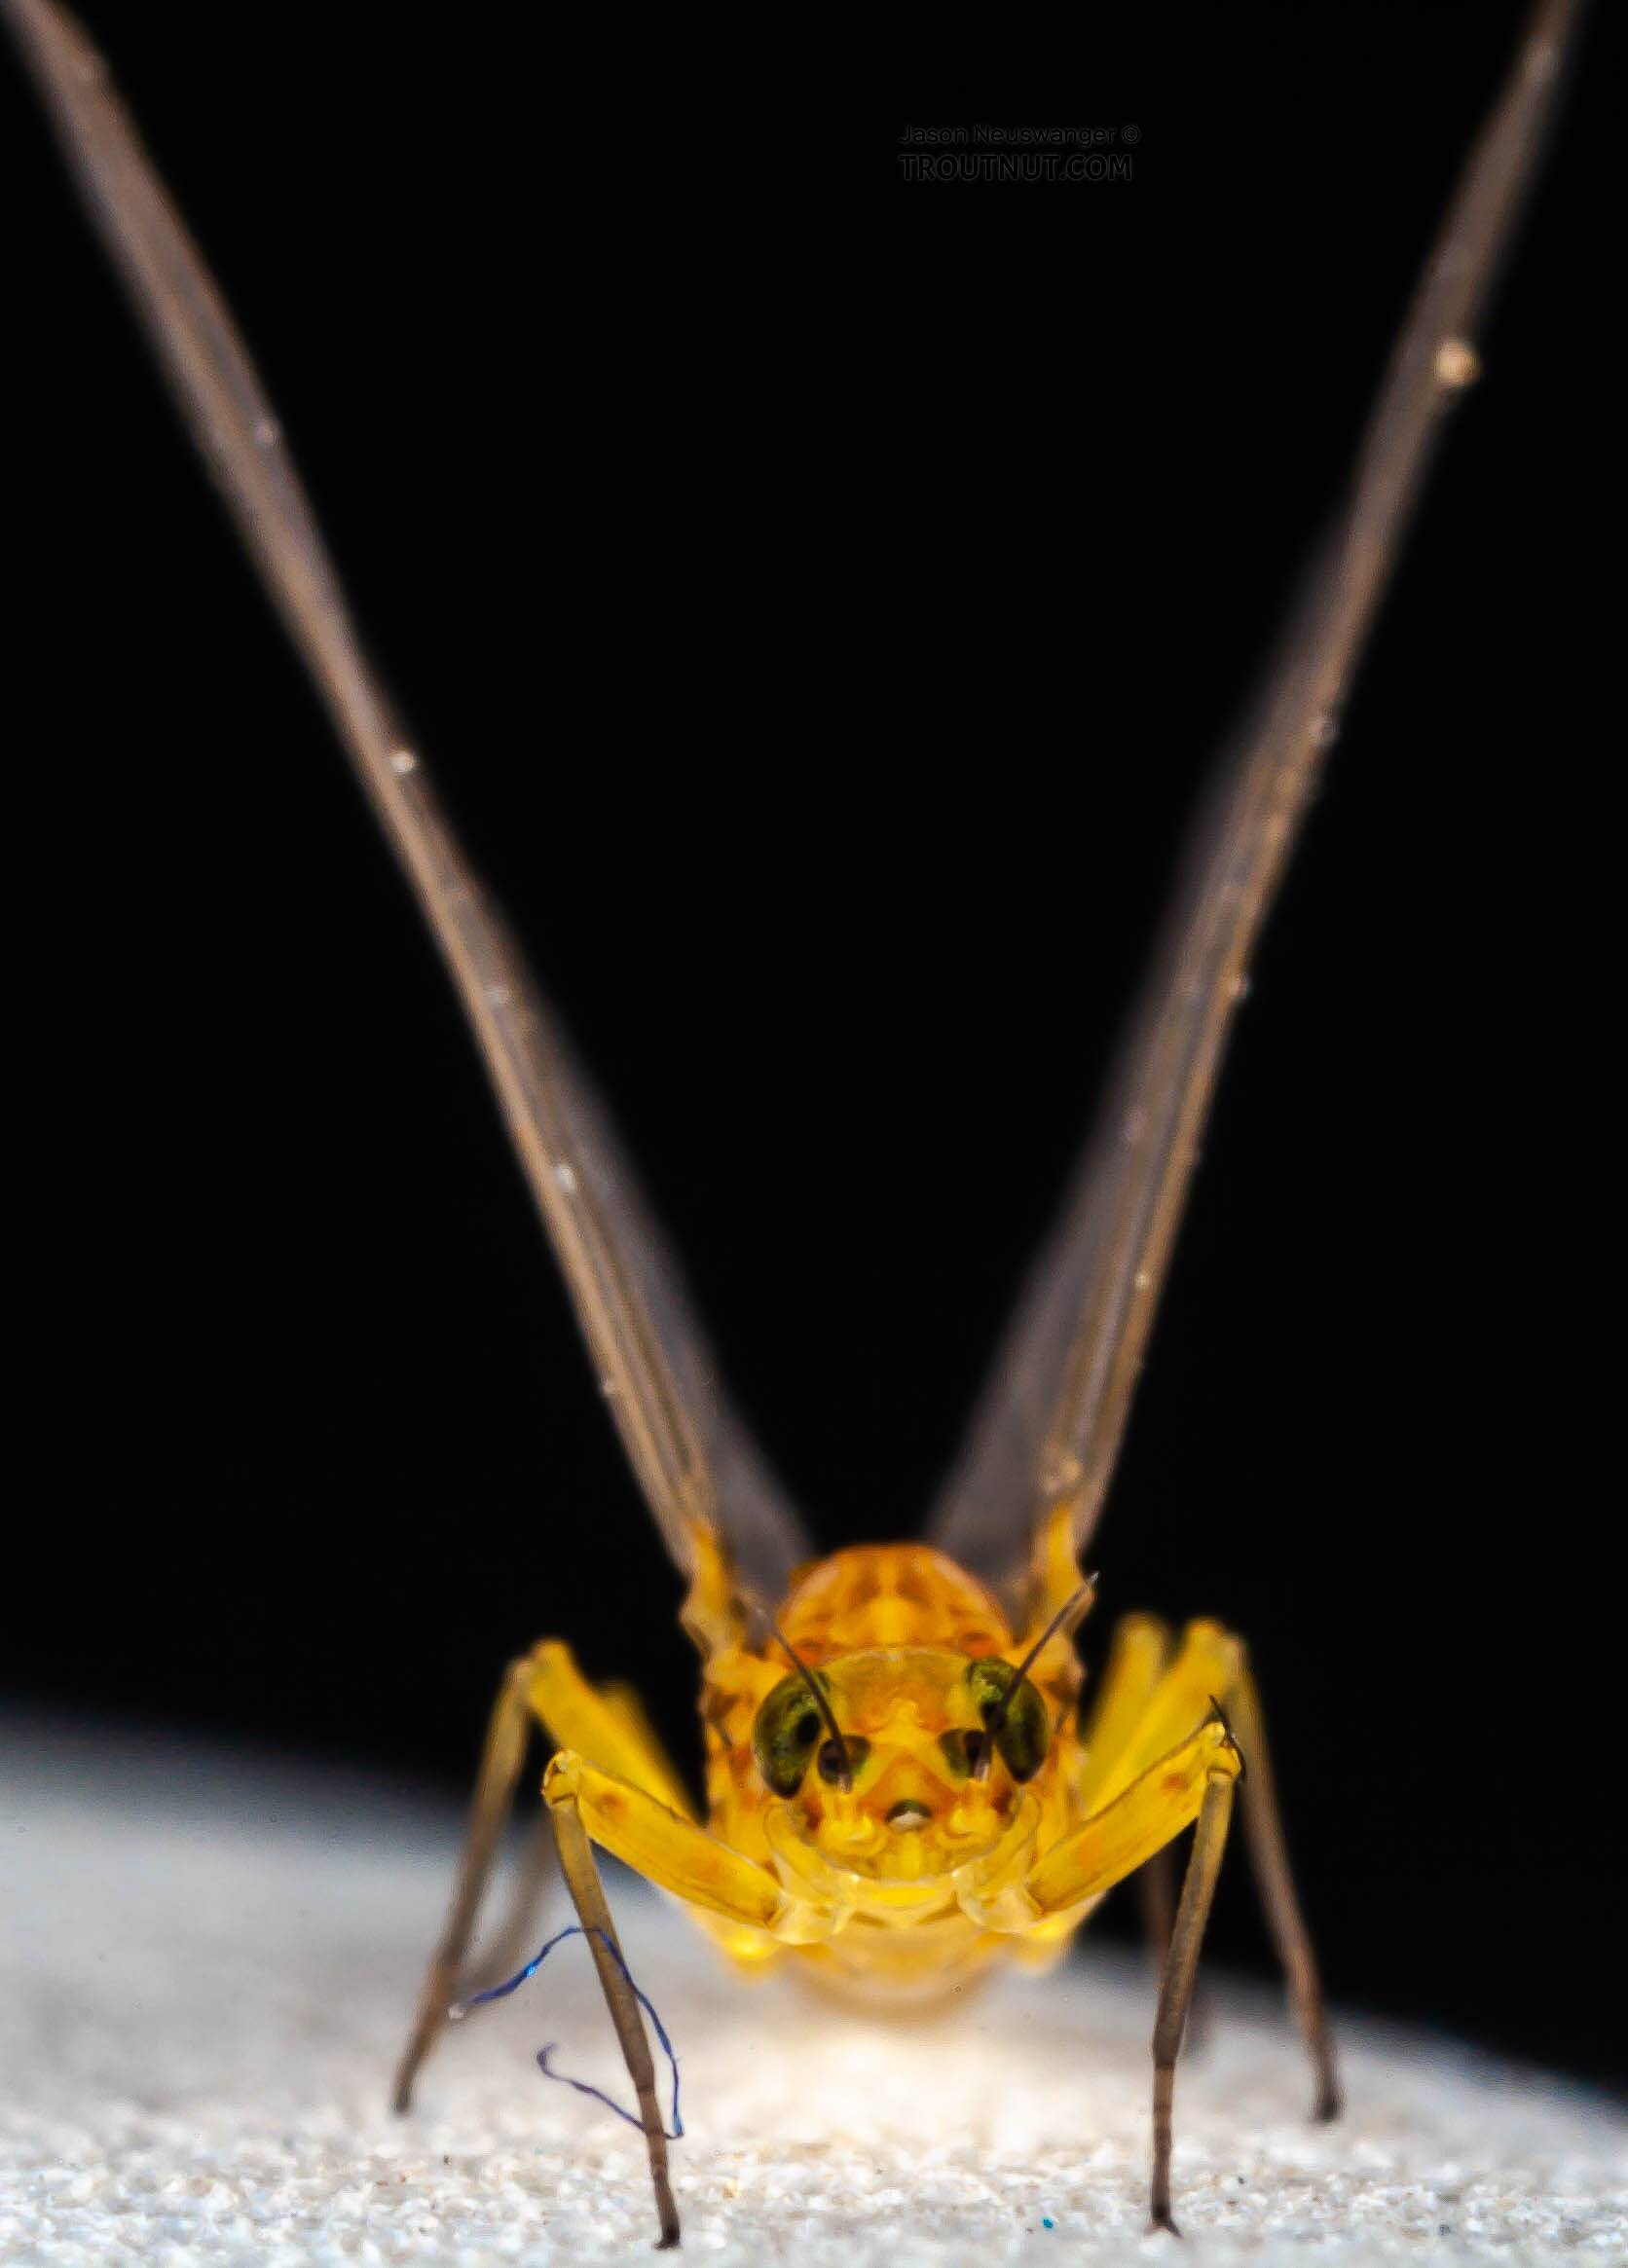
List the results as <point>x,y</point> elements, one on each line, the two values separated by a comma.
<point>903,1784</point>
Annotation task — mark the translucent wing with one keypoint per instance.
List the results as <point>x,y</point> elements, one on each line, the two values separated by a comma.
<point>1047,1430</point>
<point>693,1462</point>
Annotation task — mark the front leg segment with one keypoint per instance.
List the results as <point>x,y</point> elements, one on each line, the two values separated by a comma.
<point>1151,1692</point>
<point>1192,1783</point>
<point>1181,1967</point>
<point>1151,1813</point>
<point>593,1911</point>
<point>680,1856</point>
<point>1141,1799</point>
<point>583,1802</point>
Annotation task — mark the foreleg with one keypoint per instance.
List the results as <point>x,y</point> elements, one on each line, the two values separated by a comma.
<point>544,1686</point>
<point>1175,1987</point>
<point>1192,1783</point>
<point>593,1911</point>
<point>584,1802</point>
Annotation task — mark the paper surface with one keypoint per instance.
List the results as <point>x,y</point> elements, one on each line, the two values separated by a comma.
<point>209,1971</point>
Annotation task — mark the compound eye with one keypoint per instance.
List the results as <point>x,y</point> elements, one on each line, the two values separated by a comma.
<point>785,1733</point>
<point>1022,1734</point>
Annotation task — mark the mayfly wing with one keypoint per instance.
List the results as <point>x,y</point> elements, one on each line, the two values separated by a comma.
<point>694,1461</point>
<point>1047,1432</point>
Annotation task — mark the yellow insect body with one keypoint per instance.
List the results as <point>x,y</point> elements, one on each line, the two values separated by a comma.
<point>906,1885</point>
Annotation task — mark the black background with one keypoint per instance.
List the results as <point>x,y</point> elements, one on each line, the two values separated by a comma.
<point>820,596</point>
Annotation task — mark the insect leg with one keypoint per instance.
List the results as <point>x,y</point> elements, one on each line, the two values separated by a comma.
<point>1140,1651</point>
<point>593,1911</point>
<point>1137,1658</point>
<point>1147,1694</point>
<point>489,1809</point>
<point>1194,1782</point>
<point>1263,1831</point>
<point>1110,1846</point>
<point>1155,1894</point>
<point>680,1856</point>
<point>518,1932</point>
<point>611,1723</point>
<point>605,1722</point>
<point>1181,1967</point>
<point>1153,1694</point>
<point>1155,1889</point>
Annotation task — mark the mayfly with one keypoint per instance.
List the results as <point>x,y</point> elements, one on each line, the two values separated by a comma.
<point>902,1785</point>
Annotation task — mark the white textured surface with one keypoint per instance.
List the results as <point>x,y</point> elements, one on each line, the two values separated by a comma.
<point>207,1978</point>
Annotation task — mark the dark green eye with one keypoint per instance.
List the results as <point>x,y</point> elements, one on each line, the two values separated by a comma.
<point>1024,1736</point>
<point>785,1733</point>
